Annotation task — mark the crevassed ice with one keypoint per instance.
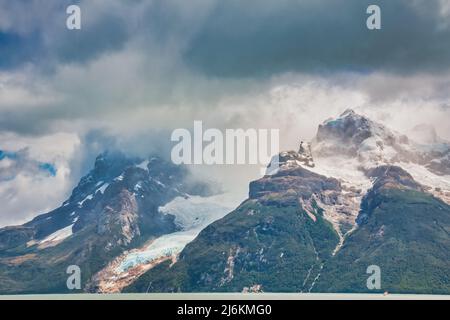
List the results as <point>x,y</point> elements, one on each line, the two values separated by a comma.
<point>164,246</point>
<point>196,211</point>
<point>192,214</point>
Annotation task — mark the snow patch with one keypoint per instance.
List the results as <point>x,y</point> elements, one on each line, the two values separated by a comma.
<point>159,183</point>
<point>344,169</point>
<point>138,186</point>
<point>439,186</point>
<point>143,165</point>
<point>195,211</point>
<point>426,177</point>
<point>89,197</point>
<point>57,236</point>
<point>164,246</point>
<point>102,188</point>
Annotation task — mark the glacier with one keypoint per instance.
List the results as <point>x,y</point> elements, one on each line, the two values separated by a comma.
<point>192,214</point>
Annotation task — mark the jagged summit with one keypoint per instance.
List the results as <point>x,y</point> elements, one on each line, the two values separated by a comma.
<point>373,144</point>
<point>350,135</point>
<point>346,134</point>
<point>348,111</point>
<point>292,159</point>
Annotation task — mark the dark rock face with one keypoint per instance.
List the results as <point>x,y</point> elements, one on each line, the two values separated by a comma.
<point>348,134</point>
<point>287,186</point>
<point>11,237</point>
<point>350,129</point>
<point>122,213</point>
<point>107,166</point>
<point>386,178</point>
<point>392,177</point>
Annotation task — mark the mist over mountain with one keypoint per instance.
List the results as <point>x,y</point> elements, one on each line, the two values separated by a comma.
<point>113,208</point>
<point>358,194</point>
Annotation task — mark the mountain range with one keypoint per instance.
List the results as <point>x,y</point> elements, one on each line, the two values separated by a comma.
<point>359,194</point>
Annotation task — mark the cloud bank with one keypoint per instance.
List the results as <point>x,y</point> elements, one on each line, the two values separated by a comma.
<point>136,70</point>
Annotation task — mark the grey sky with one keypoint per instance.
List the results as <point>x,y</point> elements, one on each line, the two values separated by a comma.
<point>140,68</point>
<point>236,38</point>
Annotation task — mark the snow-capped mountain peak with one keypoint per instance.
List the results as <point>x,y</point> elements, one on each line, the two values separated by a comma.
<point>350,145</point>
<point>351,133</point>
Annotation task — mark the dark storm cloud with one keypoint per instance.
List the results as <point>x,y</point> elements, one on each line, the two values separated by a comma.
<point>247,38</point>
<point>106,34</point>
<point>15,49</point>
<point>238,38</point>
<point>133,57</point>
<point>35,32</point>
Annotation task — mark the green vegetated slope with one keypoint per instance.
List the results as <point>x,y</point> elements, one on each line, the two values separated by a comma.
<point>406,234</point>
<point>33,271</point>
<point>275,247</point>
<point>270,244</point>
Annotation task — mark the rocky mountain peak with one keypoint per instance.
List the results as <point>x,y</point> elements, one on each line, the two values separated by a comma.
<point>349,112</point>
<point>393,177</point>
<point>347,132</point>
<point>109,163</point>
<point>356,136</point>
